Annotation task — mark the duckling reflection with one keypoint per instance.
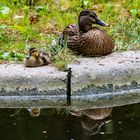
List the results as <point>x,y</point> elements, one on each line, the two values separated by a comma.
<point>36,58</point>
<point>34,112</point>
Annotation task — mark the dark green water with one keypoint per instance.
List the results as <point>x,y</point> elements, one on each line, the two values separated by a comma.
<point>123,124</point>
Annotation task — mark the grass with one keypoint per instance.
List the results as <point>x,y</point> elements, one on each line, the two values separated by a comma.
<point>18,32</point>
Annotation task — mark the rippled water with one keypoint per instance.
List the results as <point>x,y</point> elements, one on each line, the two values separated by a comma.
<point>52,124</point>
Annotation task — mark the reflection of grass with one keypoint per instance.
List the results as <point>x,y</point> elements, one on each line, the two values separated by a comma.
<point>18,34</point>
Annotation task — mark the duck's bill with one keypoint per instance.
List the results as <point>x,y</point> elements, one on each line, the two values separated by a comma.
<point>100,22</point>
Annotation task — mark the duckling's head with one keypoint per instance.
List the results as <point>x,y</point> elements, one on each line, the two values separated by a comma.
<point>87,18</point>
<point>33,52</point>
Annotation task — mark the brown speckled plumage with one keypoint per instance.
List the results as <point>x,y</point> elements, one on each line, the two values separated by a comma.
<point>87,40</point>
<point>71,30</point>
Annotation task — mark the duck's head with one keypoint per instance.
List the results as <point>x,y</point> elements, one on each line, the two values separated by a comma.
<point>87,18</point>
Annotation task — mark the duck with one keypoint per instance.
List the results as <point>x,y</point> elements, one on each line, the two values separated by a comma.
<point>36,58</point>
<point>85,38</point>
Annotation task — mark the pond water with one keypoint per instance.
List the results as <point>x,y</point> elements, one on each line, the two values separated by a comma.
<point>54,124</point>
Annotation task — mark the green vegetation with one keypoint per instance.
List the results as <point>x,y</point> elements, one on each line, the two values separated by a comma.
<point>39,23</point>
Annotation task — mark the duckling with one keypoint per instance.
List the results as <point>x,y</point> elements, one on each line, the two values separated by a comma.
<point>36,58</point>
<point>87,39</point>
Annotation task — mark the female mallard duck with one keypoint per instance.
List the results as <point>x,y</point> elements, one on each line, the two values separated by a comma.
<point>36,58</point>
<point>86,39</point>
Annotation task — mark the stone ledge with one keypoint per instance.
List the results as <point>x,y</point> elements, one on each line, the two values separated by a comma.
<point>96,82</point>
<point>116,69</point>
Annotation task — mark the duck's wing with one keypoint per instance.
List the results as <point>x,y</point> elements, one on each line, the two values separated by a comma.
<point>69,31</point>
<point>96,42</point>
<point>73,43</point>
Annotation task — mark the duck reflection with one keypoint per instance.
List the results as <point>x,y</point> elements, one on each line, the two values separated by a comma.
<point>95,114</point>
<point>92,127</point>
<point>94,121</point>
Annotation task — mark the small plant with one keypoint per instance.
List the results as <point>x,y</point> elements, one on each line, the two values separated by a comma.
<point>62,56</point>
<point>11,56</point>
<point>4,9</point>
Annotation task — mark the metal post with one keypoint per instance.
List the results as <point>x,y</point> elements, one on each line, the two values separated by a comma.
<point>69,87</point>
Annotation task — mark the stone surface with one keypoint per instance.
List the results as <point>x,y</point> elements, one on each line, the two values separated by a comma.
<point>18,80</point>
<point>97,82</point>
<point>117,69</point>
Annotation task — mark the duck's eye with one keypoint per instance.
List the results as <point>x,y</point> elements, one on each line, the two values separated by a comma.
<point>92,18</point>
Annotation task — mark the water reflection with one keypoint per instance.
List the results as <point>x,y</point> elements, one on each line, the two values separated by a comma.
<point>51,124</point>
<point>34,112</point>
<point>92,127</point>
